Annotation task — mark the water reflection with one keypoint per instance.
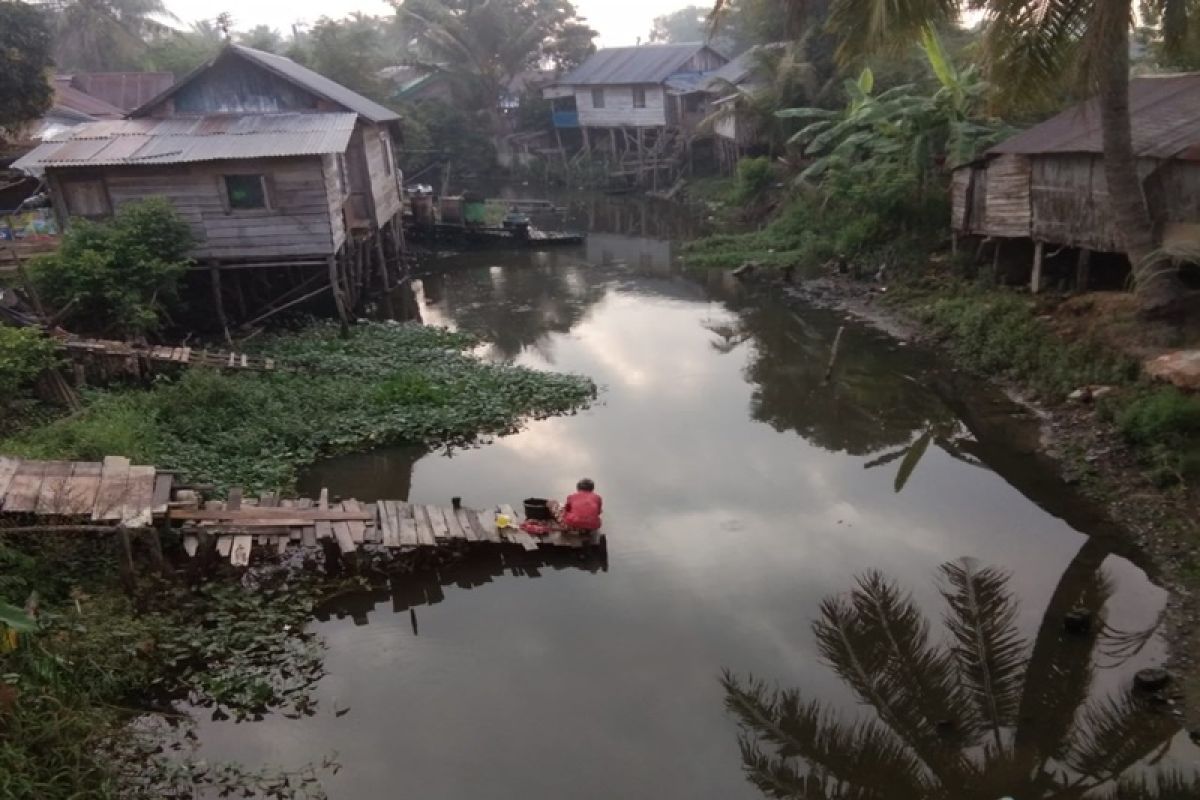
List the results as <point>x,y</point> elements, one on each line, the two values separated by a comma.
<point>472,569</point>
<point>984,714</point>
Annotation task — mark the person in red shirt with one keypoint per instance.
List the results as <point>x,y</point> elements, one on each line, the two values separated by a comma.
<point>582,510</point>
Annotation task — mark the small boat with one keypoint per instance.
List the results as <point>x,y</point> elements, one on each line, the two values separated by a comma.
<point>499,236</point>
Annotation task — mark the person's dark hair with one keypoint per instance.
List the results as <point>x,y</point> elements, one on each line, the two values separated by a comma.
<point>585,485</point>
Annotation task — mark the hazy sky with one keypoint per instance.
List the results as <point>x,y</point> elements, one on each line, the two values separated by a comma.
<point>618,21</point>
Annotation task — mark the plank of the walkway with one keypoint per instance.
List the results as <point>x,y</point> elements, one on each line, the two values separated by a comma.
<point>85,484</point>
<point>425,534</point>
<point>162,493</point>
<point>308,533</point>
<point>357,528</point>
<point>323,527</point>
<point>114,483</point>
<point>374,534</point>
<point>191,544</point>
<point>341,532</point>
<point>456,530</point>
<point>486,521</point>
<point>8,468</point>
<point>224,546</point>
<point>389,523</point>
<point>139,497</point>
<point>408,524</point>
<point>52,495</point>
<point>515,534</point>
<point>437,522</point>
<point>269,512</point>
<point>25,486</point>
<point>474,532</point>
<point>240,555</point>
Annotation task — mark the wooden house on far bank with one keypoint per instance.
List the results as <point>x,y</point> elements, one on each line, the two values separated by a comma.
<point>273,166</point>
<point>1047,184</point>
<point>637,106</point>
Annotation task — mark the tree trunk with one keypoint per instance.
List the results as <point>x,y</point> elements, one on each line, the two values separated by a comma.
<point>1156,281</point>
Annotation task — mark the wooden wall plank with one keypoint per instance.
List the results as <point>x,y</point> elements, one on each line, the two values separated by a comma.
<point>114,483</point>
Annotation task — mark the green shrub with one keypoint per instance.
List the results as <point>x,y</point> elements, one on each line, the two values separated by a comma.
<point>752,179</point>
<point>122,274</point>
<point>1165,422</point>
<point>24,354</point>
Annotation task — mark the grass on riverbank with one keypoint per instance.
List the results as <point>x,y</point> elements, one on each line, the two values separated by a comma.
<point>1001,333</point>
<point>383,384</point>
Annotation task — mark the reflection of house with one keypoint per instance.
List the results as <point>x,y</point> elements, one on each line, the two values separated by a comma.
<point>1047,184</point>
<point>268,162</point>
<point>637,104</point>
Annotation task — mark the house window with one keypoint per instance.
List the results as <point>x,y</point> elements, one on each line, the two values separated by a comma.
<point>639,97</point>
<point>597,98</point>
<point>693,102</point>
<point>86,198</point>
<point>244,192</point>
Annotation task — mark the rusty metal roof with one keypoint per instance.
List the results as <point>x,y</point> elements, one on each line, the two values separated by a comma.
<point>125,90</point>
<point>648,63</point>
<point>1166,123</point>
<point>183,140</point>
<point>70,98</point>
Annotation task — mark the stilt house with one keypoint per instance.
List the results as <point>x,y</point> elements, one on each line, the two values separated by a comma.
<point>638,105</point>
<point>271,164</point>
<point>1047,184</point>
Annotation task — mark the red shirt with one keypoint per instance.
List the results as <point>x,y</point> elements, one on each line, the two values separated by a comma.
<point>582,511</point>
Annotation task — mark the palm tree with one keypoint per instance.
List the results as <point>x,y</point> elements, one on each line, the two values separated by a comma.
<point>1029,46</point>
<point>987,715</point>
<point>105,35</point>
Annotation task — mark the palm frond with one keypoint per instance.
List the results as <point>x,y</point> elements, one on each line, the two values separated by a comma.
<point>912,457</point>
<point>878,643</point>
<point>865,755</point>
<point>989,651</point>
<point>1116,733</point>
<point>869,26</point>
<point>1174,785</point>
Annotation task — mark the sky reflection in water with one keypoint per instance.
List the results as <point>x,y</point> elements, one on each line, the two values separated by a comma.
<point>736,498</point>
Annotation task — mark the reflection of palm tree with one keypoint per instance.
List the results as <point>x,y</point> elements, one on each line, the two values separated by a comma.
<point>985,716</point>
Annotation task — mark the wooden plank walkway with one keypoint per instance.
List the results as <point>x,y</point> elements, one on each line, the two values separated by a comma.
<point>119,495</point>
<point>114,491</point>
<point>157,354</point>
<point>391,524</point>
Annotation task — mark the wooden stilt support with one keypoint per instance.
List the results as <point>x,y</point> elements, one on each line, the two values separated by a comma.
<point>587,144</point>
<point>1083,270</point>
<point>125,558</point>
<point>215,273</point>
<point>338,300</point>
<point>384,279</point>
<point>996,260</point>
<point>240,293</point>
<point>1035,280</point>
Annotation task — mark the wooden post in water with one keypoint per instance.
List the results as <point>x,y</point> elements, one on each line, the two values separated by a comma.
<point>833,353</point>
<point>384,279</point>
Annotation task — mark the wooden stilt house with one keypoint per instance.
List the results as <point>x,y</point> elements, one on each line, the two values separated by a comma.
<point>638,107</point>
<point>279,171</point>
<point>1047,184</point>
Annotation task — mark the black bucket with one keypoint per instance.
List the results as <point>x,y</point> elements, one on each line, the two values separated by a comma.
<point>538,508</point>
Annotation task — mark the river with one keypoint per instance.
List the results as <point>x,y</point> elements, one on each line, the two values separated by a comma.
<point>741,489</point>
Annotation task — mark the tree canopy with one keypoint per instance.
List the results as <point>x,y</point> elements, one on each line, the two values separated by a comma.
<point>25,42</point>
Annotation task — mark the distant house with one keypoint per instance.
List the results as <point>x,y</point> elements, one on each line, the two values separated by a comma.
<point>269,162</point>
<point>649,86</point>
<point>124,90</point>
<point>639,106</point>
<point>736,131</point>
<point>1047,184</point>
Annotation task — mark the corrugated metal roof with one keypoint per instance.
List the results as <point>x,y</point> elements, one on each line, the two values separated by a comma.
<point>72,99</point>
<point>183,140</point>
<point>125,90</point>
<point>1166,121</point>
<point>648,63</point>
<point>318,84</point>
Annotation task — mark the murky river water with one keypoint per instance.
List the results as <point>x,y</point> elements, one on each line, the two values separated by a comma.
<point>741,489</point>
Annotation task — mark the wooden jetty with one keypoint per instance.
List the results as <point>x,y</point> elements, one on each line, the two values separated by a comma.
<point>81,347</point>
<point>115,495</point>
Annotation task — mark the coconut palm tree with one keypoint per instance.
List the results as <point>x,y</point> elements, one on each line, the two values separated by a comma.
<point>1029,47</point>
<point>105,35</point>
<point>987,715</point>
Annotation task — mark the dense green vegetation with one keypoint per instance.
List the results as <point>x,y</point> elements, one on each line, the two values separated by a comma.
<point>386,383</point>
<point>119,277</point>
<point>90,658</point>
<point>24,354</point>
